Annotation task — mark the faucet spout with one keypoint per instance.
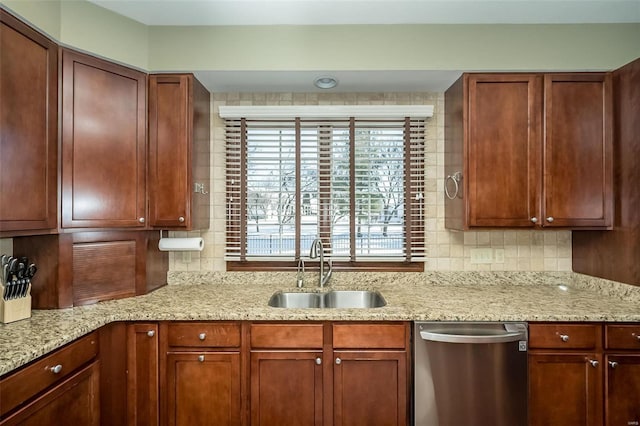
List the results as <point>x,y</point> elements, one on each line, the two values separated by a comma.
<point>317,250</point>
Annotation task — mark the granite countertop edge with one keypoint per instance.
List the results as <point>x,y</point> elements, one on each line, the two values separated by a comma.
<point>554,297</point>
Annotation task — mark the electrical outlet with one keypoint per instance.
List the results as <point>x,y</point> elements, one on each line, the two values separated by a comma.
<point>186,257</point>
<point>481,255</point>
<point>498,256</point>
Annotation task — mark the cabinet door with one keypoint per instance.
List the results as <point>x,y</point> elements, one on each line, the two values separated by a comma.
<point>578,150</point>
<point>504,150</point>
<point>370,388</point>
<point>142,380</point>
<point>28,119</point>
<point>622,399</point>
<point>286,388</point>
<point>178,152</point>
<point>76,401</point>
<point>203,388</point>
<point>103,143</point>
<point>565,389</point>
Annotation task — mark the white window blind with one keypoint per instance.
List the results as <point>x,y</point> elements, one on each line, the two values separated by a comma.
<point>356,184</point>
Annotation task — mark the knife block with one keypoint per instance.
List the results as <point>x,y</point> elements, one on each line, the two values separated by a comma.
<point>15,309</point>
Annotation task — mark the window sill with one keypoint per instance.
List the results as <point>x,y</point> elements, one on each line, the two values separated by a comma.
<point>337,266</point>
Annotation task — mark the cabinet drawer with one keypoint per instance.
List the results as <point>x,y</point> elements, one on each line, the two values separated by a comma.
<point>208,335</point>
<point>622,336</point>
<point>308,336</point>
<point>39,375</point>
<point>365,336</point>
<point>565,336</point>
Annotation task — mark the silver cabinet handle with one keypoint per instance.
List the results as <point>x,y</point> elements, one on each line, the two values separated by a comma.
<point>141,220</point>
<point>534,219</point>
<point>202,336</point>
<point>613,364</point>
<point>550,219</point>
<point>57,369</point>
<point>151,333</point>
<point>594,363</point>
<point>181,219</point>
<point>201,358</point>
<point>338,361</point>
<point>564,337</point>
<point>318,360</point>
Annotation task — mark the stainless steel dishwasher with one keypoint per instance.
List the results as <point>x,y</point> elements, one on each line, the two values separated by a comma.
<point>472,374</point>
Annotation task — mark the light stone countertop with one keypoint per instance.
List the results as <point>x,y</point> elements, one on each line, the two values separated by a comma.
<point>476,296</point>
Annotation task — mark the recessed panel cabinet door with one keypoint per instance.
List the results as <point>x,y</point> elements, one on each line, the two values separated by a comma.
<point>203,388</point>
<point>28,128</point>
<point>103,143</point>
<point>578,157</point>
<point>142,378</point>
<point>370,388</point>
<point>622,402</point>
<point>504,149</point>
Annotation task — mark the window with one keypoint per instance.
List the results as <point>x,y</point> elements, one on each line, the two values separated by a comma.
<point>357,184</point>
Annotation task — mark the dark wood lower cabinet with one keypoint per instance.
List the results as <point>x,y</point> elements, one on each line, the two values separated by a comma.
<point>565,389</point>
<point>622,379</point>
<point>286,388</point>
<point>143,374</point>
<point>203,388</point>
<point>370,388</point>
<point>75,401</point>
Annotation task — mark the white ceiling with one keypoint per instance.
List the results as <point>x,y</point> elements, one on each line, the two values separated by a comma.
<point>324,12</point>
<point>327,12</point>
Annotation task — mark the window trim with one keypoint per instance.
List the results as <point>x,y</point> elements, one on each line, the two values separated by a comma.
<point>242,263</point>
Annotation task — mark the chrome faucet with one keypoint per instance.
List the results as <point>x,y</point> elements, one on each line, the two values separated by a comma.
<point>318,250</point>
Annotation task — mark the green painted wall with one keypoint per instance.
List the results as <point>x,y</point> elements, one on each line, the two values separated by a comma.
<point>394,47</point>
<point>94,29</point>
<point>83,25</point>
<point>44,14</point>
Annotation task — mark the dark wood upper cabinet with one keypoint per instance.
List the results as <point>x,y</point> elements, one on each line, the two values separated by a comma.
<point>103,143</point>
<point>528,151</point>
<point>179,115</point>
<point>28,119</point>
<point>578,150</point>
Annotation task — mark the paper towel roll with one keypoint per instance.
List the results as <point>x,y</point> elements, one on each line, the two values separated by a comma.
<point>181,244</point>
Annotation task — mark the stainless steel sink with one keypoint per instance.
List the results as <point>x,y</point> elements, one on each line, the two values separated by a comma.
<point>345,299</point>
<point>296,300</point>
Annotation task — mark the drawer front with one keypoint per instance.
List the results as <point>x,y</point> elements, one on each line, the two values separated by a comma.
<point>204,335</point>
<point>622,336</point>
<point>370,336</point>
<point>565,336</point>
<point>38,376</point>
<point>285,336</point>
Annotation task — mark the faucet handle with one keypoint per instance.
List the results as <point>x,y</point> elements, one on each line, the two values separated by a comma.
<point>300,274</point>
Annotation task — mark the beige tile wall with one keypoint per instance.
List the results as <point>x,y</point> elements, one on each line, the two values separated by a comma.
<point>447,250</point>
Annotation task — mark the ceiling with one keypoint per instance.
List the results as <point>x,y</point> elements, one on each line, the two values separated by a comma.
<point>338,12</point>
<point>328,12</point>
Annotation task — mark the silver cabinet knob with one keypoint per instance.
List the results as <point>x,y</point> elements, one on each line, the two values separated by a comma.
<point>202,336</point>
<point>534,219</point>
<point>151,333</point>
<point>338,361</point>
<point>613,364</point>
<point>637,336</point>
<point>181,219</point>
<point>318,360</point>
<point>594,363</point>
<point>564,337</point>
<point>56,369</point>
<point>550,219</point>
<point>141,220</point>
<point>201,358</point>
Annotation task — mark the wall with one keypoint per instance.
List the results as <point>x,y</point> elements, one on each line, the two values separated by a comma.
<point>395,47</point>
<point>44,14</point>
<point>446,250</point>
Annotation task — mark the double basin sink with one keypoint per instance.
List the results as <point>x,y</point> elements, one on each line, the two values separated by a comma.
<point>344,299</point>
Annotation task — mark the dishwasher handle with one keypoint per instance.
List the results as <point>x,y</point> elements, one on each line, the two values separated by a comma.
<point>443,336</point>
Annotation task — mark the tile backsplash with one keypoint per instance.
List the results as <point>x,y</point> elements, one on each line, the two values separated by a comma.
<point>446,250</point>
